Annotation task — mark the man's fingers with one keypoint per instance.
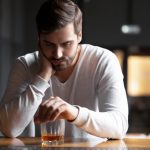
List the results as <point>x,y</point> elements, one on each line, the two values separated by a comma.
<point>57,113</point>
<point>49,109</point>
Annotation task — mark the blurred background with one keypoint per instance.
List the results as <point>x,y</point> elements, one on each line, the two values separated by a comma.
<point>122,26</point>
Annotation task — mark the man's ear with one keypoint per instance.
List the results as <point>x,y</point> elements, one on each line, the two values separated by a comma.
<point>79,36</point>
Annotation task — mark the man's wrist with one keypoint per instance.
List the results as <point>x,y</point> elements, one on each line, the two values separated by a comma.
<point>46,76</point>
<point>77,113</point>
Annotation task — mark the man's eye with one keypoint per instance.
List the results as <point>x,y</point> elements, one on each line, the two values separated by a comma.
<point>68,44</point>
<point>49,45</point>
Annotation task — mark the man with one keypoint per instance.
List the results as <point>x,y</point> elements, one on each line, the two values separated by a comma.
<point>80,83</point>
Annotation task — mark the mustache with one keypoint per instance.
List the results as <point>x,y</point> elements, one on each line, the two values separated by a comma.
<point>57,59</point>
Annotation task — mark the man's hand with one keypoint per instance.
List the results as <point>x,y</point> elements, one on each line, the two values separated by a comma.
<point>46,70</point>
<point>55,108</point>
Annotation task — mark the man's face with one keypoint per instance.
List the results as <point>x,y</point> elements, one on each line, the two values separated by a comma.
<point>60,47</point>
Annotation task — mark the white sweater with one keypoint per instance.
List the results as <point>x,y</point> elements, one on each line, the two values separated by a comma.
<point>95,86</point>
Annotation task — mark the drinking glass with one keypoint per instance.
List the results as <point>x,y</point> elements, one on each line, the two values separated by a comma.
<point>53,132</point>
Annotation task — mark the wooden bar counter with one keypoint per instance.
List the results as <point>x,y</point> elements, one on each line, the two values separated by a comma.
<point>134,142</point>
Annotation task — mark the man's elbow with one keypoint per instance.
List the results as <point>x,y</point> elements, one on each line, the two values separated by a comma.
<point>121,131</point>
<point>119,135</point>
<point>10,133</point>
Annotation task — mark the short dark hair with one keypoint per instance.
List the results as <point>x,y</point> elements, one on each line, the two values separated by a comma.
<point>55,14</point>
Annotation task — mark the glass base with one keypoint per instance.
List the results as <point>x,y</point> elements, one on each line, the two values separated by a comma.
<point>49,143</point>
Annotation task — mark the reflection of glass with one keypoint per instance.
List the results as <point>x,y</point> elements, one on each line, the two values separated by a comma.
<point>138,76</point>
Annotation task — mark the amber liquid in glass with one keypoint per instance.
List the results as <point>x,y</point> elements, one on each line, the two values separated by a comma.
<point>50,137</point>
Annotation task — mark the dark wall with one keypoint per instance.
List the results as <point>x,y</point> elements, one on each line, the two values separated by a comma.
<point>17,33</point>
<point>104,19</point>
<point>11,36</point>
<point>31,8</point>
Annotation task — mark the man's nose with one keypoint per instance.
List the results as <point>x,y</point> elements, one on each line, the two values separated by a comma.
<point>58,53</point>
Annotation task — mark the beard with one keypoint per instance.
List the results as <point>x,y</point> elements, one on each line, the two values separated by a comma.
<point>62,63</point>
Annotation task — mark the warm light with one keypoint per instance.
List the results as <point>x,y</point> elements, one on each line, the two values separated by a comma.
<point>139,75</point>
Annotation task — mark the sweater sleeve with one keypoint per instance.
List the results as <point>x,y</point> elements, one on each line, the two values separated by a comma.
<point>20,102</point>
<point>111,118</point>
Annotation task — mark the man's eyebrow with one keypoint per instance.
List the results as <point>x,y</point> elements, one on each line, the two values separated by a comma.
<point>69,41</point>
<point>48,42</point>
